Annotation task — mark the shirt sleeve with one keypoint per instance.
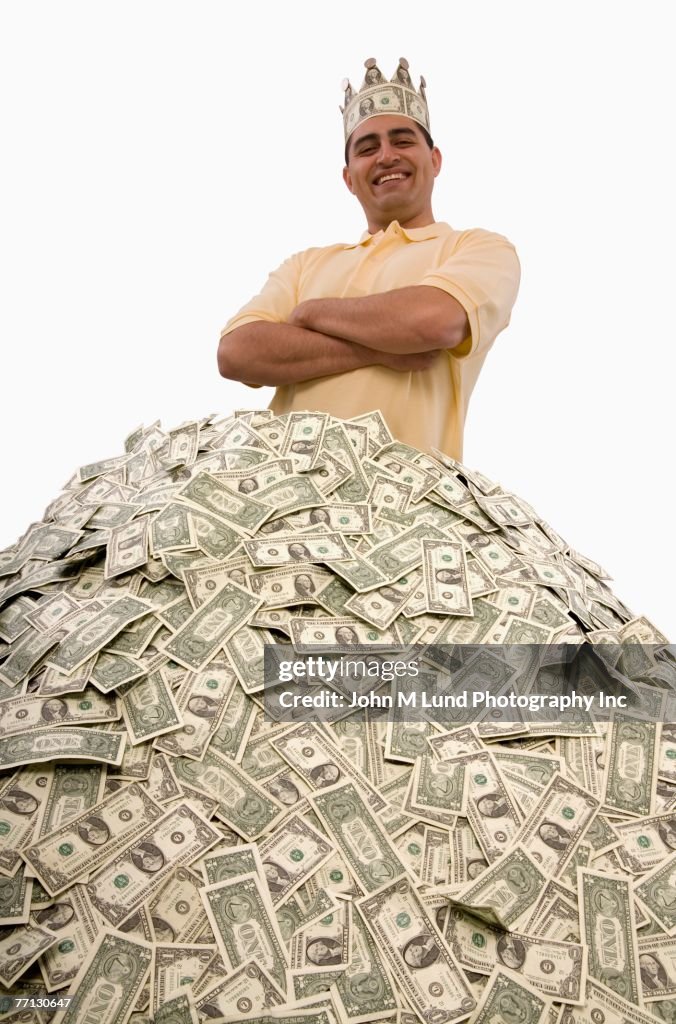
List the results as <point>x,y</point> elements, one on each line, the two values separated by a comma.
<point>275,302</point>
<point>483,274</point>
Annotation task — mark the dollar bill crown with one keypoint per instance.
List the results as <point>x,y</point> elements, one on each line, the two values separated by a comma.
<point>378,96</point>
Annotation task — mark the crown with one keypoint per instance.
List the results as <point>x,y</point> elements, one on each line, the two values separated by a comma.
<point>378,96</point>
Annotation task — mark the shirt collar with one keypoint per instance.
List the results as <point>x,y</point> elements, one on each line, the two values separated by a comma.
<point>410,234</point>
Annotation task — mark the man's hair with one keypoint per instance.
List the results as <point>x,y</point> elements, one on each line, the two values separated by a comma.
<point>428,139</point>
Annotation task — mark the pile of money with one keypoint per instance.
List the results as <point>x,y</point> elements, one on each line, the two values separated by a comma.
<point>170,852</point>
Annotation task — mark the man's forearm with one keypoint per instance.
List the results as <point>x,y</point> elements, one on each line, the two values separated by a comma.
<point>277,354</point>
<point>406,320</point>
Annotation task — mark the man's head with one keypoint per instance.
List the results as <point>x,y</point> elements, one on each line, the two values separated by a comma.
<point>390,166</point>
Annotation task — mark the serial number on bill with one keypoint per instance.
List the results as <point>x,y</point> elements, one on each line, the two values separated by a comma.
<point>37,1002</point>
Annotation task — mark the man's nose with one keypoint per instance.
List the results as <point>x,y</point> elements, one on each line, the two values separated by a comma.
<point>388,154</point>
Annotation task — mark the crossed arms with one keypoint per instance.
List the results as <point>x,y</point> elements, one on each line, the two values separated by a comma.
<point>405,329</point>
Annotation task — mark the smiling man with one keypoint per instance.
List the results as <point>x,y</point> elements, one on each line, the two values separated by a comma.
<point>402,320</point>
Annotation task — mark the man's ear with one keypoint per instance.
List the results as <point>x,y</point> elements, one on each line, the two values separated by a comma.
<point>347,178</point>
<point>436,160</point>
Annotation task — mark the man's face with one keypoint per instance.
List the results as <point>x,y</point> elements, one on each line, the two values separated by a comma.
<point>386,145</point>
<point>649,965</point>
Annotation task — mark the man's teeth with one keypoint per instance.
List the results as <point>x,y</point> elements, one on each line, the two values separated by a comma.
<point>390,177</point>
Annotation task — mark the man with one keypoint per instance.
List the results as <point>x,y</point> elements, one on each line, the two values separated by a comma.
<point>400,321</point>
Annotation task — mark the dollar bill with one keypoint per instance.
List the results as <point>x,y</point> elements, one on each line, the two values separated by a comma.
<point>235,726</point>
<point>468,860</point>
<point>289,548</point>
<point>491,810</point>
<point>73,922</point>
<point>20,947</point>
<point>358,834</point>
<point>303,438</point>
<point>309,634</point>
<point>419,961</point>
<point>176,911</point>
<point>555,915</point>
<point>245,651</point>
<point>25,655</point>
<point>292,497</point>
<point>505,891</point>
<point>557,823</point>
<point>438,791</point>
<point>396,460</point>
<point>80,644</point>
<point>208,494</point>
<point>70,742</point>
<point>507,996</point>
<point>601,1004</point>
<point>608,928</point>
<point>84,843</point>
<point>657,892</point>
<point>16,895</point>
<point>556,969</point>
<point>382,606</point>
<point>244,922</point>
<point>446,578</point>
<point>110,980</point>
<point>127,548</point>
<point>172,529</point>
<point>631,766</point>
<point>435,857</point>
<point>666,766</point>
<point>24,714</point>
<point>358,572</point>
<point>175,965</point>
<point>657,967</point>
<point>14,619</point>
<point>339,517</point>
<point>207,629</point>
<point>249,989</point>
<point>325,944</point>
<point>220,864</point>
<point>161,782</point>
<point>388,493</point>
<point>138,870</point>
<point>242,804</point>
<point>289,585</point>
<point>309,904</point>
<point>201,703</point>
<point>291,855</point>
<point>135,764</point>
<point>149,708</point>
<point>319,762</point>
<point>22,799</point>
<point>394,558</point>
<point>180,1009</point>
<point>646,843</point>
<point>364,988</point>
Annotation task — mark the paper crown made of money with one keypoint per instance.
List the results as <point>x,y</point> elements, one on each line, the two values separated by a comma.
<point>378,96</point>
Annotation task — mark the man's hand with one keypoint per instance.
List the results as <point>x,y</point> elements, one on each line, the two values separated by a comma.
<point>404,330</point>
<point>419,318</point>
<point>402,361</point>
<point>262,353</point>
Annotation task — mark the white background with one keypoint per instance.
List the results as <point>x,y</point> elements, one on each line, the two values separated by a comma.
<point>160,158</point>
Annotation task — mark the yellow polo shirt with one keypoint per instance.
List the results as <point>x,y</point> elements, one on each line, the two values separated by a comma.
<point>424,408</point>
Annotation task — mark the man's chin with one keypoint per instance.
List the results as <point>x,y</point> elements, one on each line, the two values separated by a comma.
<point>394,210</point>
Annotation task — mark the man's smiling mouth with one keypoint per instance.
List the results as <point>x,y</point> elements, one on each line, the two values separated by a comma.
<point>392,176</point>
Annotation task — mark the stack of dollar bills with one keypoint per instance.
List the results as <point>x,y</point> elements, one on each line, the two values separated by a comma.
<point>170,852</point>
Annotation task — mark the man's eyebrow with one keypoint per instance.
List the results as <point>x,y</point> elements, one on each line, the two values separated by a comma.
<point>392,134</point>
